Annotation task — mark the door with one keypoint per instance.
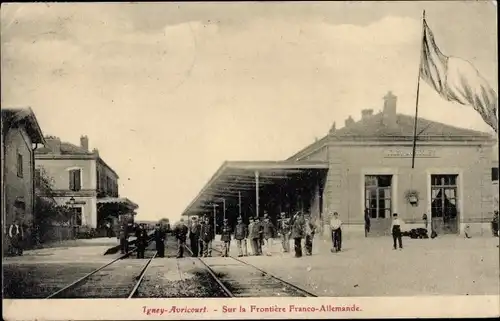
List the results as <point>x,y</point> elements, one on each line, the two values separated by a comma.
<point>378,202</point>
<point>444,203</point>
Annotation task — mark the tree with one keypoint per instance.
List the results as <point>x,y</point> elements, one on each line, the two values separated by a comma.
<point>47,212</point>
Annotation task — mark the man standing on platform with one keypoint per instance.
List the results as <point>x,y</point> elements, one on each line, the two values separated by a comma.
<point>180,232</point>
<point>268,232</point>
<point>123,236</point>
<point>310,230</point>
<point>240,235</point>
<point>284,228</point>
<point>336,228</point>
<point>194,236</point>
<point>298,224</point>
<point>141,240</point>
<point>254,235</point>
<point>207,237</point>
<point>225,237</point>
<point>160,236</point>
<point>16,236</point>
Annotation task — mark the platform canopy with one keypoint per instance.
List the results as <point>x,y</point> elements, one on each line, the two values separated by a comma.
<point>234,178</point>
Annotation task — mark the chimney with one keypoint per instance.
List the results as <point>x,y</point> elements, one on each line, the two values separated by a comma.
<point>84,143</point>
<point>389,111</point>
<point>366,113</point>
<point>333,129</point>
<point>95,151</point>
<point>349,121</point>
<point>54,143</point>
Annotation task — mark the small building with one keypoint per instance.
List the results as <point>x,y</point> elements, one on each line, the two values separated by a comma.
<point>21,134</point>
<point>84,181</point>
<point>367,166</point>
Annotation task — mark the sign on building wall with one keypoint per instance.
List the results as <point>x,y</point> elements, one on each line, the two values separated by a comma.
<point>407,153</point>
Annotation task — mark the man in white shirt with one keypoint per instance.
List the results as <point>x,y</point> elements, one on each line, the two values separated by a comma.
<point>396,226</point>
<point>336,228</point>
<point>16,235</point>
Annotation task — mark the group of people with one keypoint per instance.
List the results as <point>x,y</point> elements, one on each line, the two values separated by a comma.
<point>141,235</point>
<point>258,235</point>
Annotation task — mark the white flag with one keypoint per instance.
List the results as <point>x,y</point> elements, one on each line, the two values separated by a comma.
<point>457,80</point>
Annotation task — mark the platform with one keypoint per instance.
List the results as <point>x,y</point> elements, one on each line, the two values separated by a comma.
<point>70,251</point>
<point>448,265</point>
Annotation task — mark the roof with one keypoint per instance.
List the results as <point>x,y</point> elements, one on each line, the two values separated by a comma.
<point>26,116</point>
<point>234,177</point>
<point>66,148</point>
<point>69,149</point>
<point>372,129</point>
<point>117,200</point>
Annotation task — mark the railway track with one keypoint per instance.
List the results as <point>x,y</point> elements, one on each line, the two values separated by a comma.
<point>238,278</point>
<point>120,278</point>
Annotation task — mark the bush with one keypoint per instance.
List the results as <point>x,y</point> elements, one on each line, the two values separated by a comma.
<point>85,232</point>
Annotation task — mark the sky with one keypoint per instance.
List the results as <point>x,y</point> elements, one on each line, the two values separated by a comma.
<point>168,91</point>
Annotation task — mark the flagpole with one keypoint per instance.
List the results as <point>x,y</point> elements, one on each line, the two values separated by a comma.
<point>418,94</point>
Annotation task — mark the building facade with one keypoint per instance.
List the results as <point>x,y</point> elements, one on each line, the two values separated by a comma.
<point>21,134</point>
<point>370,168</point>
<point>82,180</point>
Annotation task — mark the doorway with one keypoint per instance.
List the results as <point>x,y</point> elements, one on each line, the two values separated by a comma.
<point>444,203</point>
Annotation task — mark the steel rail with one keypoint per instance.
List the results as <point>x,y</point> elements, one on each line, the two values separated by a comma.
<point>293,286</point>
<point>90,274</point>
<point>78,281</point>
<point>140,277</point>
<point>227,292</point>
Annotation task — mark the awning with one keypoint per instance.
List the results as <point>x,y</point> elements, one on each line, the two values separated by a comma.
<point>237,177</point>
<point>118,201</point>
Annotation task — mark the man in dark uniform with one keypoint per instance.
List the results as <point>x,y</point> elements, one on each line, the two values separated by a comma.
<point>284,228</point>
<point>207,237</point>
<point>298,224</point>
<point>180,232</point>
<point>16,236</point>
<point>194,236</point>
<point>309,231</point>
<point>240,235</point>
<point>268,232</point>
<point>123,237</point>
<point>160,236</point>
<point>142,240</point>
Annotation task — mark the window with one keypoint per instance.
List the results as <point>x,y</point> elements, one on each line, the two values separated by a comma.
<point>494,174</point>
<point>38,177</point>
<point>77,216</point>
<point>75,183</point>
<point>378,191</point>
<point>20,165</point>
<point>444,196</point>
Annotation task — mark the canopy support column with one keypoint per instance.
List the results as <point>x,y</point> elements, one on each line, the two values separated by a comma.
<point>257,194</point>
<point>239,203</point>
<point>215,218</point>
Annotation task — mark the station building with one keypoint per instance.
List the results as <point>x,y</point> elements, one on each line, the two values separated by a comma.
<point>367,164</point>
<point>82,180</point>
